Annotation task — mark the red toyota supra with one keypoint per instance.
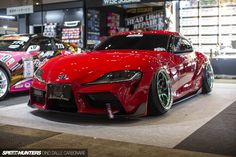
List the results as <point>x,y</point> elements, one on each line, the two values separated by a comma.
<point>131,73</point>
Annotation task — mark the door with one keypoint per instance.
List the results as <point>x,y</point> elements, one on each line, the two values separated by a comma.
<point>185,59</point>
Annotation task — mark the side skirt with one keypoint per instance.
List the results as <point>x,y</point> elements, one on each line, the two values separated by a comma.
<point>188,96</point>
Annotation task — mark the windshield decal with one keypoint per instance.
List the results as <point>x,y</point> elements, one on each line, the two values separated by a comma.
<point>134,35</point>
<point>14,46</point>
<point>18,42</point>
<point>159,49</point>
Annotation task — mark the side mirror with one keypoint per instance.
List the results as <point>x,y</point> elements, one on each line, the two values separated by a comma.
<point>33,48</point>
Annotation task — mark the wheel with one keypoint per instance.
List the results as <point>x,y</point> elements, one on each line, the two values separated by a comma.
<point>4,83</point>
<point>207,79</point>
<point>160,96</point>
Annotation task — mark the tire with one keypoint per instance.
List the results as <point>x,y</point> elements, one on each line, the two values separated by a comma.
<point>160,95</point>
<point>207,79</point>
<point>4,83</point>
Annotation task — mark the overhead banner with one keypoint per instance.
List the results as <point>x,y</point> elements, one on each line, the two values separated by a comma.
<point>28,9</point>
<point>117,2</point>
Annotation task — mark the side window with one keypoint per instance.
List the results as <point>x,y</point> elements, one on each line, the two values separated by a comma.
<point>176,46</point>
<point>187,45</point>
<point>44,43</point>
<point>181,44</point>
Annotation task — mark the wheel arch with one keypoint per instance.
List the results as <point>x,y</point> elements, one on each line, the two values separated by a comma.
<point>202,60</point>
<point>149,106</point>
<point>4,67</point>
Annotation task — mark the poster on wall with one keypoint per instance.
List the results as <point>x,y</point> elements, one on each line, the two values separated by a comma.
<point>205,21</point>
<point>227,10</point>
<point>71,33</point>
<point>227,2</point>
<point>153,21</point>
<point>189,30</point>
<point>228,30</point>
<point>93,27</point>
<point>188,12</point>
<point>117,2</point>
<point>188,4</point>
<point>50,30</point>
<point>113,23</point>
<point>209,30</point>
<point>209,11</point>
<point>189,21</point>
<point>208,39</point>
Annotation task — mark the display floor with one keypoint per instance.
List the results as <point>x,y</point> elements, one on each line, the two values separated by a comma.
<point>34,139</point>
<point>192,125</point>
<point>216,136</point>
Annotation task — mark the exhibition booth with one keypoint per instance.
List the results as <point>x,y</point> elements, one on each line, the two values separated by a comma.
<point>62,20</point>
<point>105,17</point>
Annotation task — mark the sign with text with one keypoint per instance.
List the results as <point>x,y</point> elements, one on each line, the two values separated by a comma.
<point>28,9</point>
<point>117,2</point>
<point>151,20</point>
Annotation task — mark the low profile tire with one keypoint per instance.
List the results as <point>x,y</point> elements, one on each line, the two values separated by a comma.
<point>207,79</point>
<point>160,96</point>
<point>4,83</point>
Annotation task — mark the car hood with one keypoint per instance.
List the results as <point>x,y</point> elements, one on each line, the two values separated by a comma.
<point>90,66</point>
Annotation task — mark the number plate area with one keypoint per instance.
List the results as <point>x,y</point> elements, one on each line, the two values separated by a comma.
<point>60,92</point>
<point>38,93</point>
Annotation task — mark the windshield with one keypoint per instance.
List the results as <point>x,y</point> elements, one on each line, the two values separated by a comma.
<point>135,42</point>
<point>11,45</point>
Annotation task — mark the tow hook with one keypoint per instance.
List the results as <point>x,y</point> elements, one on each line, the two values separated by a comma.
<point>109,111</point>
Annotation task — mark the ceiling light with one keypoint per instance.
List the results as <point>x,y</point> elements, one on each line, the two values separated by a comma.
<point>5,27</point>
<point>7,17</point>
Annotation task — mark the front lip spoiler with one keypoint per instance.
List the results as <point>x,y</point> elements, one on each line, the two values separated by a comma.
<point>30,104</point>
<point>140,112</point>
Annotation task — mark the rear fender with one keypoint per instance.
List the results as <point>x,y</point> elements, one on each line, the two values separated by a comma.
<point>201,62</point>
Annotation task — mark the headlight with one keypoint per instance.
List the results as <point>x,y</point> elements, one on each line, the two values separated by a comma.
<point>38,75</point>
<point>118,76</point>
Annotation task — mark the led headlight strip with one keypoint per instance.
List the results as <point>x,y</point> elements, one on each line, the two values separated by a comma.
<point>118,76</point>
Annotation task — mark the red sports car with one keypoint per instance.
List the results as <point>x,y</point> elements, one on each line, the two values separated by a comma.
<point>131,73</point>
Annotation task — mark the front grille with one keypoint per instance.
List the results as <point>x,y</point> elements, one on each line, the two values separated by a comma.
<point>99,100</point>
<point>62,105</point>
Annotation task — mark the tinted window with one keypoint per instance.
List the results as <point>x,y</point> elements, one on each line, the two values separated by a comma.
<point>11,45</point>
<point>135,42</point>
<point>181,44</point>
<point>44,43</point>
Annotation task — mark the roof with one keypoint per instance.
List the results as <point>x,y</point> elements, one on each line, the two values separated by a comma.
<point>149,32</point>
<point>15,37</point>
<point>20,36</point>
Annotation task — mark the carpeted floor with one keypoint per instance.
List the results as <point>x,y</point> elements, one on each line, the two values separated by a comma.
<point>217,136</point>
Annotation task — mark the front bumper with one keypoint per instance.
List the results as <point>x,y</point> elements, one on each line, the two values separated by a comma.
<point>127,98</point>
